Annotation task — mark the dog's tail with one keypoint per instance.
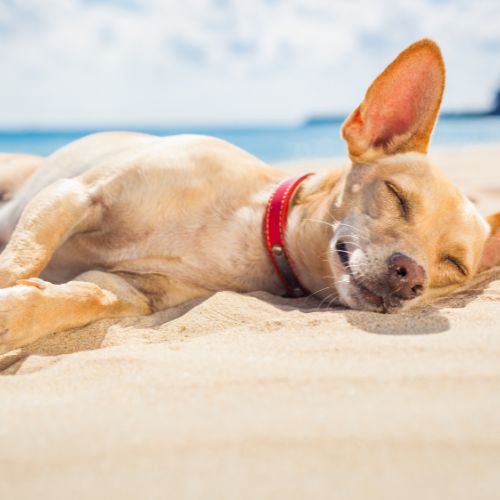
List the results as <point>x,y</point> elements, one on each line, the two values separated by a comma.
<point>15,170</point>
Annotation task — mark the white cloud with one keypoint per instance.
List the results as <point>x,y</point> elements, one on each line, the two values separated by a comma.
<point>116,62</point>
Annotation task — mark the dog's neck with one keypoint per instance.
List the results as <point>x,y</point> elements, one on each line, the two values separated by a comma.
<point>309,230</point>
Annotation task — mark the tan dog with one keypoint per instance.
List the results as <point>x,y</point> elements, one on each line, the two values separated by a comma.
<point>129,224</point>
<point>15,169</point>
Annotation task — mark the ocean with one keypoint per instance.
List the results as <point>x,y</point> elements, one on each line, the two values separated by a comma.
<point>271,144</point>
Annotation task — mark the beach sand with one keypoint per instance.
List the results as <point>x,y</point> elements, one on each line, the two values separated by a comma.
<point>255,396</point>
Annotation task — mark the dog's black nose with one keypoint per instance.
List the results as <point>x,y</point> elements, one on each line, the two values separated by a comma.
<point>406,278</point>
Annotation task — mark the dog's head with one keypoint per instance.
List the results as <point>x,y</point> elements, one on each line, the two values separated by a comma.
<point>403,234</point>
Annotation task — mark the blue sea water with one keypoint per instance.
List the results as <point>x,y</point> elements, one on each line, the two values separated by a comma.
<point>271,144</point>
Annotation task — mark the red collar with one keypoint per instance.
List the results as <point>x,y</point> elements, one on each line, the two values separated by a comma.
<point>274,234</point>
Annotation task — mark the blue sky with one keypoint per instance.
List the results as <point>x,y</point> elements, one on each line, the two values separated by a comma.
<point>156,62</point>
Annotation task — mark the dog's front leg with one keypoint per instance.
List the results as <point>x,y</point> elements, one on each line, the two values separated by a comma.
<point>34,308</point>
<point>47,221</point>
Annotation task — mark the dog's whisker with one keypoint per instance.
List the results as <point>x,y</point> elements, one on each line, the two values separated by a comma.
<point>320,290</point>
<point>357,233</point>
<point>331,252</point>
<point>341,223</point>
<point>326,298</point>
<point>319,221</point>
<point>330,304</point>
<point>354,244</point>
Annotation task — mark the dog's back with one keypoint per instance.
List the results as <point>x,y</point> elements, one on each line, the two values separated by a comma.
<point>15,170</point>
<point>23,176</point>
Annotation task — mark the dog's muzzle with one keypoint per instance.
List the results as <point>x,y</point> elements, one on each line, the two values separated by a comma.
<point>403,280</point>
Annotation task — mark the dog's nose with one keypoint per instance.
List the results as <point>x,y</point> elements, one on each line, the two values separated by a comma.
<point>406,278</point>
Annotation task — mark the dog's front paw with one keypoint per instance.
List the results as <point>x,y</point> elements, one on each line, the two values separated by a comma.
<point>18,306</point>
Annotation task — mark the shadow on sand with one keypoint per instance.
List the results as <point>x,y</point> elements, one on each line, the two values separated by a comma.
<point>171,325</point>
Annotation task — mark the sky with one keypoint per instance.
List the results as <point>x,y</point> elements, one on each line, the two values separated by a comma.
<point>77,63</point>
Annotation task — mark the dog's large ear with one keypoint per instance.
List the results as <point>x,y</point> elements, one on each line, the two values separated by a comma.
<point>401,106</point>
<point>491,252</point>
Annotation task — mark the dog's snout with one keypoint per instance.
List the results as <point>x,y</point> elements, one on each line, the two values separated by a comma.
<point>406,278</point>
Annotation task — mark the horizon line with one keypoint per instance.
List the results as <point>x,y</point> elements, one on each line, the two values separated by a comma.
<point>312,120</point>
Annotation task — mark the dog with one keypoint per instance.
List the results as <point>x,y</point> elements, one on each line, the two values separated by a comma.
<point>120,224</point>
<point>15,169</point>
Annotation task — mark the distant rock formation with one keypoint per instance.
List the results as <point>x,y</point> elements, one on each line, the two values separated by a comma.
<point>337,119</point>
<point>496,107</point>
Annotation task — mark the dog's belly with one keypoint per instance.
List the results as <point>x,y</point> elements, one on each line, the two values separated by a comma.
<point>208,255</point>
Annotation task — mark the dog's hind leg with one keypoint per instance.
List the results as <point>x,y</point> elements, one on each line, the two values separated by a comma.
<point>51,217</point>
<point>34,308</point>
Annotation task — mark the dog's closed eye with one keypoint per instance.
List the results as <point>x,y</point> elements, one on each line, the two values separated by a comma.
<point>404,205</point>
<point>456,263</point>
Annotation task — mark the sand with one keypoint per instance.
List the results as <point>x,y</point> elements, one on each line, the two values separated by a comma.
<point>255,396</point>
